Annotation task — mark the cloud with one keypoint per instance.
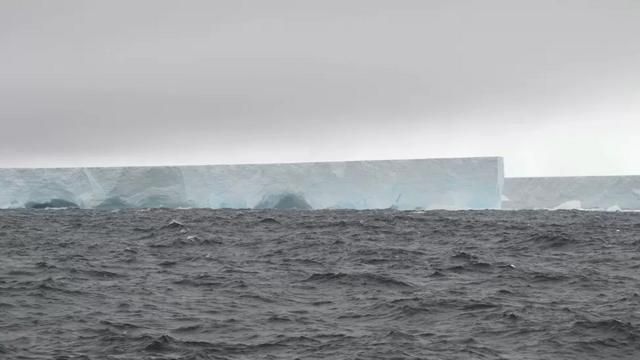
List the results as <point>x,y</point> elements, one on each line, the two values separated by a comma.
<point>142,82</point>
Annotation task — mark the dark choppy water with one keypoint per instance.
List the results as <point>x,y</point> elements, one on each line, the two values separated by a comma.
<point>227,284</point>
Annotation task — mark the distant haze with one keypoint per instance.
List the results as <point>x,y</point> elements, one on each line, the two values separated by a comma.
<point>553,86</point>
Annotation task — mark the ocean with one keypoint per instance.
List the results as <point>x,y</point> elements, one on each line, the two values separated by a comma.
<point>321,284</point>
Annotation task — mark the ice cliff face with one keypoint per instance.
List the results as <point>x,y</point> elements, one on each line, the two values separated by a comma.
<point>585,192</point>
<point>92,187</point>
<point>465,183</point>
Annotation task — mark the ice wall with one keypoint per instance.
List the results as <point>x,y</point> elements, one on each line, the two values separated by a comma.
<point>463,183</point>
<point>584,192</point>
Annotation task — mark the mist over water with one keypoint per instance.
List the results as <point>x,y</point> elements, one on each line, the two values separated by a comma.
<point>267,284</point>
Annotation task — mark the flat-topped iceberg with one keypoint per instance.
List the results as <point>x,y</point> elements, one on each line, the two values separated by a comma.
<point>463,183</point>
<point>573,192</point>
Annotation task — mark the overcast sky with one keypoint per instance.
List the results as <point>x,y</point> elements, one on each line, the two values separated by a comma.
<point>553,86</point>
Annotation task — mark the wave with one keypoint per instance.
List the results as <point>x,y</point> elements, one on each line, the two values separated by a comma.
<point>357,279</point>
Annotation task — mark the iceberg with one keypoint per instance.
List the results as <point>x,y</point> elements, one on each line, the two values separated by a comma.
<point>53,204</point>
<point>285,201</point>
<point>585,192</point>
<point>459,183</point>
<point>614,208</point>
<point>569,205</point>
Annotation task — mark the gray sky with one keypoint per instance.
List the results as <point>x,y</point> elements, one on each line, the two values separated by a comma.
<point>553,86</point>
